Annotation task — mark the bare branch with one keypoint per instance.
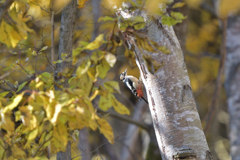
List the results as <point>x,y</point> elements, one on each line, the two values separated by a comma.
<point>214,105</point>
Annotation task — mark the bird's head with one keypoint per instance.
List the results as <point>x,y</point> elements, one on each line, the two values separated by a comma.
<point>122,75</point>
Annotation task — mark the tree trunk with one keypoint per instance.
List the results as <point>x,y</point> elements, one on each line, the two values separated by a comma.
<point>175,117</point>
<point>65,46</point>
<point>232,83</point>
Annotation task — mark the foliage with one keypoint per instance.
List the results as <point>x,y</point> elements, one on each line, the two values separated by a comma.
<point>34,115</point>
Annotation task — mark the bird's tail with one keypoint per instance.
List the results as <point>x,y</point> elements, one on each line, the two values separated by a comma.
<point>145,100</point>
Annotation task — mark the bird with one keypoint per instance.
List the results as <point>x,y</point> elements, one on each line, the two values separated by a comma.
<point>133,84</point>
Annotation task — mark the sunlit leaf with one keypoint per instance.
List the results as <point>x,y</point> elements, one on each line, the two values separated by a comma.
<point>96,43</point>
<point>58,61</point>
<point>32,135</point>
<point>106,18</point>
<point>111,59</point>
<point>106,130</point>
<point>82,3</point>
<point>119,107</point>
<point>178,4</point>
<point>92,73</point>
<point>95,93</point>
<point>105,102</point>
<point>3,94</point>
<point>83,68</point>
<point>14,104</point>
<point>103,68</point>
<point>6,122</point>
<point>43,49</point>
<point>112,86</point>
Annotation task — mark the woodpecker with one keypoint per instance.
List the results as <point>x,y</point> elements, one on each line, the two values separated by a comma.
<point>133,84</point>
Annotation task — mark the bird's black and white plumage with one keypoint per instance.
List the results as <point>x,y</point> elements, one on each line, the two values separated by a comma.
<point>133,84</point>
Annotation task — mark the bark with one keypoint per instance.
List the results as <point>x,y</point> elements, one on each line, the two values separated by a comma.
<point>65,46</point>
<point>175,117</point>
<point>129,143</point>
<point>66,33</point>
<point>3,9</point>
<point>232,83</point>
<point>83,144</point>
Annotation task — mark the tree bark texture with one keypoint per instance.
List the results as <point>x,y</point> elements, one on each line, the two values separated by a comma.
<point>65,46</point>
<point>3,9</point>
<point>83,144</point>
<point>66,32</point>
<point>232,83</point>
<point>175,117</point>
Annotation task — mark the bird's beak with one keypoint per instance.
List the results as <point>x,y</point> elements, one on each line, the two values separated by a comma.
<point>125,71</point>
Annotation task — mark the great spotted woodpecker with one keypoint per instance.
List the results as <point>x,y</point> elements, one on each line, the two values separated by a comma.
<point>133,84</point>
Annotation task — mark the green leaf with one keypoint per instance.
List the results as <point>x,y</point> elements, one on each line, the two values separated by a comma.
<point>106,18</point>
<point>83,68</point>
<point>112,86</point>
<point>21,86</point>
<point>3,94</point>
<point>58,61</point>
<point>8,67</point>
<point>166,20</point>
<point>179,16</point>
<point>32,135</point>
<point>44,48</point>
<point>103,68</point>
<point>178,4</point>
<point>105,102</point>
<point>96,43</point>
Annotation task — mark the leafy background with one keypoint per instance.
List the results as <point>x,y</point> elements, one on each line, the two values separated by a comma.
<point>36,117</point>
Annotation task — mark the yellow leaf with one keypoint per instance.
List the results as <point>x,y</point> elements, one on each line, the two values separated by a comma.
<point>14,104</point>
<point>227,7</point>
<point>6,122</point>
<point>96,43</point>
<point>18,153</point>
<point>94,95</point>
<point>103,68</point>
<point>32,135</point>
<point>60,138</point>
<point>9,36</point>
<point>106,130</point>
<point>105,102</point>
<point>81,3</point>
<point>112,86</point>
<point>58,109</point>
<point>92,73</point>
<point>83,68</point>
<point>119,107</point>
<point>178,4</point>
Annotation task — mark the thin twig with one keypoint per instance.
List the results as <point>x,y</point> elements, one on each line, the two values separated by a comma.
<point>214,105</point>
<point>52,38</point>
<point>126,119</point>
<point>40,7</point>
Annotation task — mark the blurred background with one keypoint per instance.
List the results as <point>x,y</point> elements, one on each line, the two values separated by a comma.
<point>200,37</point>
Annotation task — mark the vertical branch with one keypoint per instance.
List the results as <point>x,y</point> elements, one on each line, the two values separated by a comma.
<point>213,107</point>
<point>52,37</point>
<point>65,46</point>
<point>4,7</point>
